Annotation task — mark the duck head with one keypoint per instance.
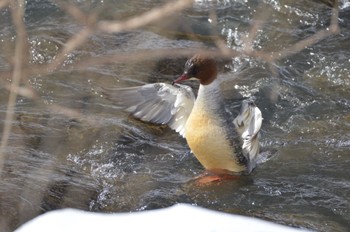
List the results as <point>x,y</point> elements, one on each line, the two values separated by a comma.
<point>200,67</point>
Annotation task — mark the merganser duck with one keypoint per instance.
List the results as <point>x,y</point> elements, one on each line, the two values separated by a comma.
<point>220,144</point>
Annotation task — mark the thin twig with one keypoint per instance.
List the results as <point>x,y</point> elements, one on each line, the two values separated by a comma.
<point>320,35</point>
<point>56,108</point>
<point>142,55</point>
<point>146,18</point>
<point>73,11</point>
<point>219,42</point>
<point>17,8</point>
<point>257,23</point>
<point>334,27</point>
<point>73,43</point>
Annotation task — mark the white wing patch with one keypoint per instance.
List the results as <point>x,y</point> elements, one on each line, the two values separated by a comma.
<point>248,124</point>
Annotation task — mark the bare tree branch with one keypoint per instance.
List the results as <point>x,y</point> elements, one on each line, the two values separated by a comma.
<point>73,11</point>
<point>4,3</point>
<point>141,55</point>
<point>144,19</point>
<point>111,27</point>
<point>220,43</point>
<point>320,35</point>
<point>73,43</point>
<point>17,8</point>
<point>257,23</point>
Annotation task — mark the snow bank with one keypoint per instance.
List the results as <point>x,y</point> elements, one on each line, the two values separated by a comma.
<point>180,217</point>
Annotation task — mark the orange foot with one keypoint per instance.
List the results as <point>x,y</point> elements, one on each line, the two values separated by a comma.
<point>209,178</point>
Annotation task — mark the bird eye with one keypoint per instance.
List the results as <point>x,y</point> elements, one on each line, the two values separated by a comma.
<point>193,71</point>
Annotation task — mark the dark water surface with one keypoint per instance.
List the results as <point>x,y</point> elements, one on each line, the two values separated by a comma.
<point>119,164</point>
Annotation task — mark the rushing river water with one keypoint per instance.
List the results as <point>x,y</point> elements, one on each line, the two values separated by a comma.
<point>119,164</point>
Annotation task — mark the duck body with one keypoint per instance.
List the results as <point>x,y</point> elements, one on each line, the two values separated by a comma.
<point>220,144</point>
<point>211,135</point>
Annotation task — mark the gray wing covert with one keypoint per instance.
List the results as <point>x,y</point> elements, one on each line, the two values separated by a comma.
<point>157,103</point>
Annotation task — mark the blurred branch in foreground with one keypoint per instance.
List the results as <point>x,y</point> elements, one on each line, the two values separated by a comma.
<point>4,3</point>
<point>114,27</point>
<point>17,8</point>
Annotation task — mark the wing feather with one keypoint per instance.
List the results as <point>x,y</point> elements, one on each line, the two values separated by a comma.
<point>157,103</point>
<point>248,124</point>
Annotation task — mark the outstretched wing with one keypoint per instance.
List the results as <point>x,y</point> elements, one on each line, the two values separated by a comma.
<point>157,103</point>
<point>248,124</point>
